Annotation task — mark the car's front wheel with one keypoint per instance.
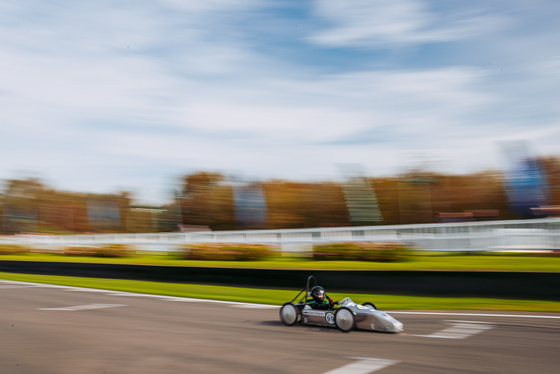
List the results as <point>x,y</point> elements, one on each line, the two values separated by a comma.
<point>344,319</point>
<point>289,314</point>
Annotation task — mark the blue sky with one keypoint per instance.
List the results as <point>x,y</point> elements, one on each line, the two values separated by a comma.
<point>109,95</point>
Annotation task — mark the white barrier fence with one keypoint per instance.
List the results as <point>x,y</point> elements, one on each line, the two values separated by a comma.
<point>536,234</point>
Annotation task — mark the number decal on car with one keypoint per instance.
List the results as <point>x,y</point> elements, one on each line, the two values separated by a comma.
<point>330,318</point>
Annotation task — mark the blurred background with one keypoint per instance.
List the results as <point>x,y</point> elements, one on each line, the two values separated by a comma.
<point>214,201</point>
<point>159,116</point>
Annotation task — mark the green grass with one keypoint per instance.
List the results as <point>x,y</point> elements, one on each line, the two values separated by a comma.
<point>278,297</point>
<point>482,262</point>
<point>426,262</point>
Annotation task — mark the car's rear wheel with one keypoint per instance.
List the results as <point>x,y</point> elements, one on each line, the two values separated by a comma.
<point>289,314</point>
<point>368,304</point>
<point>344,319</point>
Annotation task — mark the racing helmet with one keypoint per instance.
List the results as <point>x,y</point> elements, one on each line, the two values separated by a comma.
<point>318,294</point>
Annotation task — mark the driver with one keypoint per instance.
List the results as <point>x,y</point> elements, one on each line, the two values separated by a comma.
<point>320,299</point>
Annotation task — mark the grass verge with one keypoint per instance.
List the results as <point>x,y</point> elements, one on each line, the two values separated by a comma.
<point>278,297</point>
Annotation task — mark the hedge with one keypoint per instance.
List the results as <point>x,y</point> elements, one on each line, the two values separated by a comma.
<point>10,249</point>
<point>226,252</point>
<point>362,251</point>
<point>107,250</point>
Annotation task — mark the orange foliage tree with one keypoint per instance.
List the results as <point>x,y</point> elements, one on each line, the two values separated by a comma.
<point>207,199</point>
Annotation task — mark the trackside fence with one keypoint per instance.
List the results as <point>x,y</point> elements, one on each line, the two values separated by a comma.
<point>518,235</point>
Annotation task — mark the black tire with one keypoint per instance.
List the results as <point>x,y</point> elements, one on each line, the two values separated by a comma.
<point>289,314</point>
<point>367,303</point>
<point>344,319</point>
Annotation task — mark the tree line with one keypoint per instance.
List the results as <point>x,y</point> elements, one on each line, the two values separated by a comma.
<point>212,200</point>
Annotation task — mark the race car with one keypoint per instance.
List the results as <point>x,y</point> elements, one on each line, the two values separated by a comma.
<point>345,316</point>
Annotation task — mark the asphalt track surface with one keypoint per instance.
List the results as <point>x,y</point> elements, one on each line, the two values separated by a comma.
<point>55,329</point>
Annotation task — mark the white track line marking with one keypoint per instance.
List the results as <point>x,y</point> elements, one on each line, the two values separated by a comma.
<point>362,366</point>
<point>84,307</point>
<point>255,306</point>
<point>186,299</point>
<point>459,330</point>
<point>181,299</point>
<point>77,289</point>
<point>133,294</point>
<point>234,304</point>
<point>125,294</point>
<point>476,314</point>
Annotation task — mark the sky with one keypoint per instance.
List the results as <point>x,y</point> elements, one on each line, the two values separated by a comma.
<point>131,95</point>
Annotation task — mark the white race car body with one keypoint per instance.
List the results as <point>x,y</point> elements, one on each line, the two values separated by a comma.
<point>346,315</point>
<point>366,317</point>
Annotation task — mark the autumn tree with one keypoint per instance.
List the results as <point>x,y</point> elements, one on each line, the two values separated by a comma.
<point>207,200</point>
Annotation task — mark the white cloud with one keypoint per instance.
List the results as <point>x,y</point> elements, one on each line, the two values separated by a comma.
<point>367,23</point>
<point>210,6</point>
<point>122,94</point>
